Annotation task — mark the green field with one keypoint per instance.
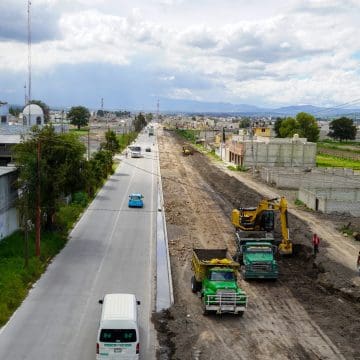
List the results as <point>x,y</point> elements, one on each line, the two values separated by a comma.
<point>332,161</point>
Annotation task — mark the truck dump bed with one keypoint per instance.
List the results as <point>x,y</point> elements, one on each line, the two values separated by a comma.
<point>203,259</point>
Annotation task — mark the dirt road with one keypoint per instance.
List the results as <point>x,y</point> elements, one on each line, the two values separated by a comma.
<point>301,316</point>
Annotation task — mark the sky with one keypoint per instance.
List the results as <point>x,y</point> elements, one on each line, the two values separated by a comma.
<point>266,53</point>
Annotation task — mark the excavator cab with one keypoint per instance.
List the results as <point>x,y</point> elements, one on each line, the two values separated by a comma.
<point>267,221</point>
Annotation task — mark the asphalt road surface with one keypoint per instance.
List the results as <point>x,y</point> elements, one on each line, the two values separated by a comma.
<point>111,250</point>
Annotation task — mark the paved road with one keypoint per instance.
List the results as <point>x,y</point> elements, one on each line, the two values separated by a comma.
<point>112,249</point>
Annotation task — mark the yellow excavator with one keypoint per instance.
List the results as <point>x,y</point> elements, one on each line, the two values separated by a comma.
<point>262,217</point>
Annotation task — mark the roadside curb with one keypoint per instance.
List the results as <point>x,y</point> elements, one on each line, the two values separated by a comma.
<point>160,207</point>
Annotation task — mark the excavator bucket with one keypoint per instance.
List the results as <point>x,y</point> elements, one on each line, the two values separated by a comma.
<point>285,249</point>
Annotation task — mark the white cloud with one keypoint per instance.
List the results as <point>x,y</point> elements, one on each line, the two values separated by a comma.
<point>276,54</point>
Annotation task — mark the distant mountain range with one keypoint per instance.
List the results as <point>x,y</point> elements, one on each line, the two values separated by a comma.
<point>190,106</point>
<point>177,106</point>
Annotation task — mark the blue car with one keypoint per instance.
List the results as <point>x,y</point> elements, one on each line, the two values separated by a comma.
<point>136,200</point>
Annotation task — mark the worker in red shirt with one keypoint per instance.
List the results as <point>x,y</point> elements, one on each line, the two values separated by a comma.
<point>316,242</point>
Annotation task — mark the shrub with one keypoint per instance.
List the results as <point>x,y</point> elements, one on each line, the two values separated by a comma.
<point>80,198</point>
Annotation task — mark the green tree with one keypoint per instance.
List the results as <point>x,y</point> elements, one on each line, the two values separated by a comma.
<point>277,126</point>
<point>15,111</point>
<point>60,169</point>
<point>342,129</point>
<point>149,117</point>
<point>79,116</point>
<point>288,127</point>
<point>139,122</point>
<point>307,126</point>
<point>112,143</point>
<point>244,123</point>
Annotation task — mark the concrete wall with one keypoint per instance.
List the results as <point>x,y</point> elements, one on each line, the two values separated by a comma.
<point>295,178</point>
<point>8,194</point>
<point>274,153</point>
<point>332,200</point>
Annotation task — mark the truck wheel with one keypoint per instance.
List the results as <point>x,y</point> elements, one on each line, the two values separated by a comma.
<point>204,311</point>
<point>193,285</point>
<point>240,313</point>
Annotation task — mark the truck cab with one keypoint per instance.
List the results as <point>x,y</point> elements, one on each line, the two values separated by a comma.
<point>258,260</point>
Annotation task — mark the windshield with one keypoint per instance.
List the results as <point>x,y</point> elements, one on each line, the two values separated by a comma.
<point>135,197</point>
<point>118,335</point>
<point>221,276</point>
<point>259,249</point>
<point>136,148</point>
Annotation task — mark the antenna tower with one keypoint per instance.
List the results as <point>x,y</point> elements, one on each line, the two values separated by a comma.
<point>29,52</point>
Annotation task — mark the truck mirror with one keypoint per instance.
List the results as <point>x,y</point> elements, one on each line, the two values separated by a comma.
<point>274,249</point>
<point>101,301</point>
<point>138,302</point>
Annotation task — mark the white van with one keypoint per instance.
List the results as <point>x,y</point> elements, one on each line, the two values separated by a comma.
<point>118,335</point>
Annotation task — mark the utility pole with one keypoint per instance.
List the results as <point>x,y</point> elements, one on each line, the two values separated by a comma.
<point>88,147</point>
<point>38,201</point>
<point>157,111</point>
<point>62,121</point>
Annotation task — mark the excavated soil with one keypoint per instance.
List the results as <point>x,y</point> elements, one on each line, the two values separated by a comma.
<point>311,312</point>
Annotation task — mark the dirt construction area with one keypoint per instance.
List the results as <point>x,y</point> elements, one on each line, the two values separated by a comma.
<point>311,312</point>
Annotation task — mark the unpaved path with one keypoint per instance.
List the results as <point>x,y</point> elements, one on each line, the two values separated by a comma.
<point>301,316</point>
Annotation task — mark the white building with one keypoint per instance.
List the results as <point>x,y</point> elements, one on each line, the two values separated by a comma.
<point>33,115</point>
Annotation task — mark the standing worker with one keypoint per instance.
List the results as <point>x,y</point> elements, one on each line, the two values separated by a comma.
<point>358,263</point>
<point>316,242</point>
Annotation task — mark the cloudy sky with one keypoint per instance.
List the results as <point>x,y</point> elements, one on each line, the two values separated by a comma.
<point>267,53</point>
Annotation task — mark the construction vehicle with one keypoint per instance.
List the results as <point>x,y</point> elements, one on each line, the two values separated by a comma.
<point>262,217</point>
<point>256,254</point>
<point>215,280</point>
<point>187,150</point>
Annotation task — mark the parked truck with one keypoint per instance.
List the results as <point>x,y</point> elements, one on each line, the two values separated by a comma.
<point>256,254</point>
<point>215,280</point>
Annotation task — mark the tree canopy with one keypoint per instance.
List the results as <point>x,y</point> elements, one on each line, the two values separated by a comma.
<point>304,124</point>
<point>79,116</point>
<point>139,122</point>
<point>111,142</point>
<point>244,123</point>
<point>61,161</point>
<point>342,129</point>
<point>308,127</point>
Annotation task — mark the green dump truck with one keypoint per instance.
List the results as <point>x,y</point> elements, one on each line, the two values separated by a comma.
<point>216,282</point>
<point>256,254</point>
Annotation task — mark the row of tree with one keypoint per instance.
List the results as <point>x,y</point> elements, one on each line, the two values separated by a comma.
<point>56,164</point>
<point>306,126</point>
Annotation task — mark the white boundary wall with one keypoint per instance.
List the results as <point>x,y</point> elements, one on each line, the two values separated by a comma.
<point>332,200</point>
<point>9,221</point>
<point>296,178</point>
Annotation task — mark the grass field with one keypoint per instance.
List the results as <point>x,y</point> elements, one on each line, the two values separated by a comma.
<point>332,161</point>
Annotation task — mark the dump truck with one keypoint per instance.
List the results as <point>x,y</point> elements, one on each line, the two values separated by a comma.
<point>215,280</point>
<point>256,254</point>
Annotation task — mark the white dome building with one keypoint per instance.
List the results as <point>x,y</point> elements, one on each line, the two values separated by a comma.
<point>33,115</point>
